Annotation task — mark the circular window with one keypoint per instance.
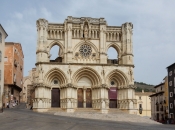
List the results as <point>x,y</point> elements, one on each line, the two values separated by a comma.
<point>112,83</point>
<point>85,50</point>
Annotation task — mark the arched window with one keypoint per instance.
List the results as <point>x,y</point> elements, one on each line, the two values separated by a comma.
<point>56,54</point>
<point>0,37</point>
<point>112,56</point>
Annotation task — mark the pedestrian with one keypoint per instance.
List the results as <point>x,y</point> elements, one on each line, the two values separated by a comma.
<point>7,105</point>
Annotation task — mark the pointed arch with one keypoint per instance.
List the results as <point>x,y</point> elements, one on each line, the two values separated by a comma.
<point>115,46</point>
<point>117,75</point>
<point>89,73</point>
<point>56,43</point>
<point>55,73</point>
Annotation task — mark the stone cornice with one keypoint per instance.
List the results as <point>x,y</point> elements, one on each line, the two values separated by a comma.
<point>85,64</point>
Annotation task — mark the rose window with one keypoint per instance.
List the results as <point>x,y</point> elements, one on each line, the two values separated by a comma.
<point>85,50</point>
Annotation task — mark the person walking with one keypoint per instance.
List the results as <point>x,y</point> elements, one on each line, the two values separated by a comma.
<point>7,105</point>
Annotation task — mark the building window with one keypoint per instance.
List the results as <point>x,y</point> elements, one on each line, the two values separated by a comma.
<point>170,73</point>
<point>140,105</point>
<point>171,105</point>
<point>0,56</point>
<point>0,37</point>
<point>140,97</point>
<point>5,59</point>
<point>171,94</point>
<point>170,83</point>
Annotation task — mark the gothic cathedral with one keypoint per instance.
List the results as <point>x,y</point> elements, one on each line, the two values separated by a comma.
<point>82,76</point>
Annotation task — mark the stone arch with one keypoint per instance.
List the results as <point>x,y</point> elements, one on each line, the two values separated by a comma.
<point>55,73</point>
<point>56,43</point>
<point>89,73</point>
<point>117,75</point>
<point>115,46</point>
<point>88,43</point>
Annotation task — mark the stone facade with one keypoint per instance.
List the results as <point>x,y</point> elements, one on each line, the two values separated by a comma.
<point>3,36</point>
<point>82,73</point>
<point>28,90</point>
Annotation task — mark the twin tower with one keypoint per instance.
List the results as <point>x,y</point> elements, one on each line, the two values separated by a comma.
<point>82,76</point>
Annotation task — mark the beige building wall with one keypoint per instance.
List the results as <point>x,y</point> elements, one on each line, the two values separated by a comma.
<point>3,35</point>
<point>144,101</point>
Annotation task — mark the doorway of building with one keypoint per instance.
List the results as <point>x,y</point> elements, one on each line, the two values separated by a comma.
<point>80,98</point>
<point>55,101</point>
<point>112,97</point>
<point>88,98</point>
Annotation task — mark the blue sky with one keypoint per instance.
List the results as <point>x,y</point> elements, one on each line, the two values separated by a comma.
<point>153,33</point>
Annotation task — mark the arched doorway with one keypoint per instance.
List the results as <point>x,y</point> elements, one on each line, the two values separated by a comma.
<point>84,93</point>
<point>55,93</point>
<point>55,99</point>
<point>112,93</point>
<point>112,97</point>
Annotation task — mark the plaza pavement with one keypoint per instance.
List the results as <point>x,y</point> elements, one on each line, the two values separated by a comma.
<point>25,119</point>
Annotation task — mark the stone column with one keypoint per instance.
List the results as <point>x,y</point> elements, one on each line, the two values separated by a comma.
<point>84,97</point>
<point>42,101</point>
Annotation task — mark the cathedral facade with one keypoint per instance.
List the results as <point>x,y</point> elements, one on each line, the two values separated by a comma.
<point>82,76</point>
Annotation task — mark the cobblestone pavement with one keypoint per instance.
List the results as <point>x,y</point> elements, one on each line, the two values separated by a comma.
<point>24,119</point>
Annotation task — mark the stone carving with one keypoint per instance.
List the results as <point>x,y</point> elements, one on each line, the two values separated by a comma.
<point>85,31</point>
<point>85,50</point>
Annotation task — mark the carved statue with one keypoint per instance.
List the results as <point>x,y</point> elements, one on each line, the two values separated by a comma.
<point>85,31</point>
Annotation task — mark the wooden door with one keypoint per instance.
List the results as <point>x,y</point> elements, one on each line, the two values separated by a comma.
<point>88,98</point>
<point>55,97</point>
<point>80,97</point>
<point>112,97</point>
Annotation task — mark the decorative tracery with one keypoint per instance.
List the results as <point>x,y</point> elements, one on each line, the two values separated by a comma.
<point>85,50</point>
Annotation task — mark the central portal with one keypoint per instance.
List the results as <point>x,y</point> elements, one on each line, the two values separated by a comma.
<point>55,97</point>
<point>84,93</point>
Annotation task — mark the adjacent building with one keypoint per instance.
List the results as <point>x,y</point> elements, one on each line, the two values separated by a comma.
<point>13,72</point>
<point>143,103</point>
<point>158,103</point>
<point>28,88</point>
<point>171,88</point>
<point>82,76</point>
<point>3,36</point>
